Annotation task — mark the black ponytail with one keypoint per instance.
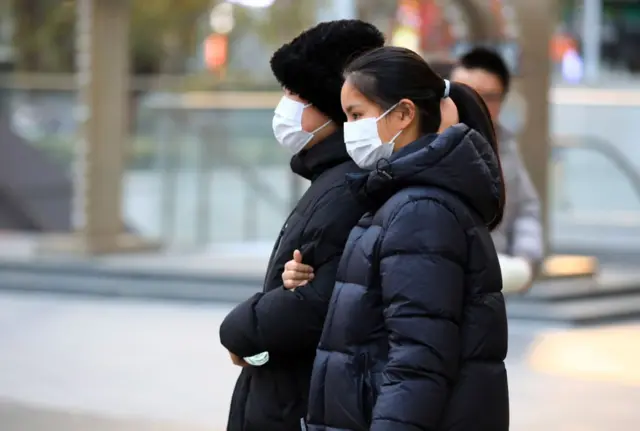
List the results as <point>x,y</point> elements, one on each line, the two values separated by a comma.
<point>473,112</point>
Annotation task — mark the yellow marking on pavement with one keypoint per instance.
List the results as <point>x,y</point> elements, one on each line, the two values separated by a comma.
<point>568,265</point>
<point>609,354</point>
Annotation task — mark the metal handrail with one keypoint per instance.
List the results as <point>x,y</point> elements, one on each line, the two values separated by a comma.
<point>605,148</point>
<point>255,183</point>
<point>257,189</point>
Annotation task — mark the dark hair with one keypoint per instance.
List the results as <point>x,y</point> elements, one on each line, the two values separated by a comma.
<point>473,112</point>
<point>389,74</point>
<point>311,64</point>
<point>490,61</point>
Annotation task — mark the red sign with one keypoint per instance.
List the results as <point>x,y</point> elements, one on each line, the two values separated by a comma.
<point>215,51</point>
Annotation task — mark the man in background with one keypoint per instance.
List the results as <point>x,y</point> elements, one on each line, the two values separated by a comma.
<point>520,234</point>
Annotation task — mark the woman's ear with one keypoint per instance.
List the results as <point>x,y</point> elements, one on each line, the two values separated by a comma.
<point>407,109</point>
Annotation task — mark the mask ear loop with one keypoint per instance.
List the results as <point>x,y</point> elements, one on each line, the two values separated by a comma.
<point>392,141</point>
<point>321,127</point>
<point>385,113</point>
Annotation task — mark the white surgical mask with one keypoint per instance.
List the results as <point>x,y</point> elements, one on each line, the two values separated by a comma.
<point>363,141</point>
<point>287,125</point>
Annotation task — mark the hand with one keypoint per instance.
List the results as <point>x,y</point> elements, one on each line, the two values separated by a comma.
<point>237,360</point>
<point>296,273</point>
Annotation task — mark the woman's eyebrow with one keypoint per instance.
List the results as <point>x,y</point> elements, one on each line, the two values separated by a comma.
<point>351,107</point>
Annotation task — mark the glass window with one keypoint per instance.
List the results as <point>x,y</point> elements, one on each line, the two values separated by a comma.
<point>181,50</point>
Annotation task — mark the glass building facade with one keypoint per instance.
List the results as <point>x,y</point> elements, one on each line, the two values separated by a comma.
<point>202,164</point>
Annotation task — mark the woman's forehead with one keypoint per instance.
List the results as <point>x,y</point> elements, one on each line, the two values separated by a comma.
<point>349,91</point>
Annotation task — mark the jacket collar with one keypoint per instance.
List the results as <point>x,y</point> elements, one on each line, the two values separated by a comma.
<point>459,160</point>
<point>324,155</point>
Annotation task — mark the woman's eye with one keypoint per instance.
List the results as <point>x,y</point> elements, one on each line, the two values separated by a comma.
<point>355,116</point>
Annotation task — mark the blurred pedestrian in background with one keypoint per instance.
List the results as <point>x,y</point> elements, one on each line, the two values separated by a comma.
<point>274,334</point>
<point>520,233</point>
<point>416,333</point>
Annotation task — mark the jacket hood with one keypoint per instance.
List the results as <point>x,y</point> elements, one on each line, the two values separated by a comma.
<point>324,155</point>
<point>458,160</point>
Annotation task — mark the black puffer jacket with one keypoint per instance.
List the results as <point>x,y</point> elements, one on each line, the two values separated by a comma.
<point>288,324</point>
<point>416,332</point>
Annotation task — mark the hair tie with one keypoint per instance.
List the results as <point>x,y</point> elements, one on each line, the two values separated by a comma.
<point>447,87</point>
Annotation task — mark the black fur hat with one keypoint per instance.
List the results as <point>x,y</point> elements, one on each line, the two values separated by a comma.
<point>311,65</point>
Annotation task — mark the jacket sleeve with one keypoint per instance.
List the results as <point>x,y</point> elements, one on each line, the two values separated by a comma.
<point>285,322</point>
<point>526,232</point>
<point>422,278</point>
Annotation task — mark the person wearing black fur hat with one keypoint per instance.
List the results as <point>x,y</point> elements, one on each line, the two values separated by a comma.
<point>273,335</point>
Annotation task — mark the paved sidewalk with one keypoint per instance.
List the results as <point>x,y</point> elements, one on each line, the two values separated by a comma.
<point>90,365</point>
<point>19,417</point>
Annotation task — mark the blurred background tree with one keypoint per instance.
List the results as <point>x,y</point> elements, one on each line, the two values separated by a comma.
<point>165,34</point>
<point>43,35</point>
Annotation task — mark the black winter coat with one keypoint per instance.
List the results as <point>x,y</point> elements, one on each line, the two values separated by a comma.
<point>288,324</point>
<point>416,332</point>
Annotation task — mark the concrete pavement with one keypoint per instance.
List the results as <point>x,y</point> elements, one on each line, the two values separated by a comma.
<point>75,364</point>
<point>18,417</point>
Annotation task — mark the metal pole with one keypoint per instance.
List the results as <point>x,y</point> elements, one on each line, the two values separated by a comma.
<point>168,159</point>
<point>103,106</point>
<point>591,38</point>
<point>250,231</point>
<point>103,85</point>
<point>84,10</point>
<point>203,186</point>
<point>536,25</point>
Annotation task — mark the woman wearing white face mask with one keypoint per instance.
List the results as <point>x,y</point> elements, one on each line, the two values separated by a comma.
<point>416,333</point>
<point>273,335</point>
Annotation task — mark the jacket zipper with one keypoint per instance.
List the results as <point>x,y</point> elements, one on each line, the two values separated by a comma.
<point>279,239</point>
<point>365,386</point>
<point>274,253</point>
